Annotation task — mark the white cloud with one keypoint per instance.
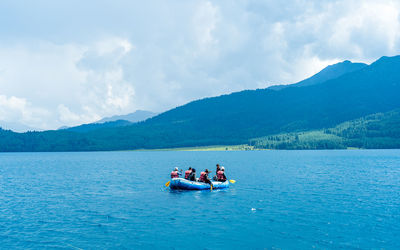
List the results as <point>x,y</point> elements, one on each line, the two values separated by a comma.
<point>20,110</point>
<point>112,46</point>
<point>155,55</point>
<point>331,31</point>
<point>66,116</point>
<point>66,89</point>
<point>369,29</point>
<point>204,23</point>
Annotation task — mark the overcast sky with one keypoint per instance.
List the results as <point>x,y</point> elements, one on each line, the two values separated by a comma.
<point>71,62</point>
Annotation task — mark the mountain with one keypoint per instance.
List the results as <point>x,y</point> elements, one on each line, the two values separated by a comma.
<point>114,121</point>
<point>17,127</point>
<point>380,130</point>
<point>94,126</point>
<point>328,73</point>
<point>137,116</point>
<point>239,117</point>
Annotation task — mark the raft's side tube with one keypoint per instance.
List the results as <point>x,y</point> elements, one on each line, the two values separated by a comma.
<point>180,183</point>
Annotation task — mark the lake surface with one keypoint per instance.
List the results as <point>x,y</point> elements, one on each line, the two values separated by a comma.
<point>282,199</point>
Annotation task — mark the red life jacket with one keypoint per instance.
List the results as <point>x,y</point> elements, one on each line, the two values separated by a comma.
<point>220,175</point>
<point>203,176</point>
<point>174,174</point>
<point>187,173</point>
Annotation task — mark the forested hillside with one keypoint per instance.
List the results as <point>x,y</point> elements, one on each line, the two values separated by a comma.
<point>95,126</point>
<point>241,116</point>
<point>328,73</point>
<point>381,130</point>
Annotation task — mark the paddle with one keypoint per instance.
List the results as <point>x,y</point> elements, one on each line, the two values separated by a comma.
<point>232,181</point>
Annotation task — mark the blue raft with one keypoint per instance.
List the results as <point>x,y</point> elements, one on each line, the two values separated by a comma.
<point>181,183</point>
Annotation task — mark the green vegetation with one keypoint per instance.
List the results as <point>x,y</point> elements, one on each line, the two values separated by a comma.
<point>242,147</point>
<point>381,130</point>
<point>324,115</point>
<point>300,140</point>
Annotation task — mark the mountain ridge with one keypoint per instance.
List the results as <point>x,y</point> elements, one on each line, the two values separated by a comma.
<point>137,116</point>
<point>17,127</point>
<point>238,117</point>
<point>330,72</point>
<point>113,121</point>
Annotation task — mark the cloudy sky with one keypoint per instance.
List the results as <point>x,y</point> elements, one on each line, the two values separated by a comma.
<point>71,62</point>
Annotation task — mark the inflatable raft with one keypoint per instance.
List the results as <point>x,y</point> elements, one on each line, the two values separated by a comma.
<point>180,183</point>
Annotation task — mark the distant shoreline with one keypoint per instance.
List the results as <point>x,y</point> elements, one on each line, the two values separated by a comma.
<point>207,148</point>
<point>243,147</point>
<point>217,148</point>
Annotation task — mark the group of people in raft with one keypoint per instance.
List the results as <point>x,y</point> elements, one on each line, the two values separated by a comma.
<point>190,175</point>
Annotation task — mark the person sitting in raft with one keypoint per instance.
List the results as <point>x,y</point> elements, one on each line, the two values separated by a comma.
<point>192,176</point>
<point>218,169</point>
<point>187,173</point>
<point>221,175</point>
<point>175,173</point>
<point>204,177</point>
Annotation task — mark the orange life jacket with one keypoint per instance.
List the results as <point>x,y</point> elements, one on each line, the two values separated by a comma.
<point>203,176</point>
<point>220,176</point>
<point>174,174</point>
<point>187,173</point>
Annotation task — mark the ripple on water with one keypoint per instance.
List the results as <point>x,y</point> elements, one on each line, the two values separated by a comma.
<point>282,199</point>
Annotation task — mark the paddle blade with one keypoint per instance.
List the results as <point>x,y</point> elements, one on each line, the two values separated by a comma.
<point>167,184</point>
<point>232,181</point>
<point>211,187</point>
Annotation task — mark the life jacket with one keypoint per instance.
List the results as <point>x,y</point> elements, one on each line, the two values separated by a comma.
<point>187,173</point>
<point>220,175</point>
<point>174,174</point>
<point>203,176</point>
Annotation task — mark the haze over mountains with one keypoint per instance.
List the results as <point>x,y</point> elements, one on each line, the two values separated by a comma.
<point>114,121</point>
<point>17,127</point>
<point>137,116</point>
<point>340,93</point>
<point>328,73</point>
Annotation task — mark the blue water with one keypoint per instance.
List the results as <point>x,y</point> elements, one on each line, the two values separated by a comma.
<point>282,199</point>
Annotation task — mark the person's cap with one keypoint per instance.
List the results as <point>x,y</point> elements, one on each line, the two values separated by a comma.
<point>206,170</point>
<point>190,167</point>
<point>217,164</point>
<point>193,170</point>
<point>176,169</point>
<point>222,168</point>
